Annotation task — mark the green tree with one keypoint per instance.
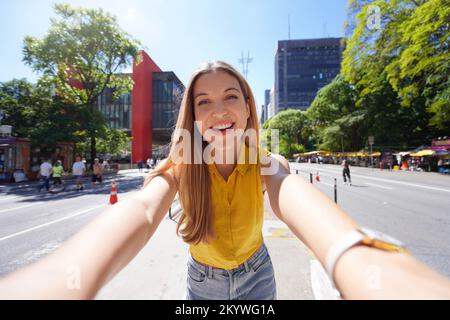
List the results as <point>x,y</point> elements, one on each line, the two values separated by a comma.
<point>83,51</point>
<point>35,113</point>
<point>422,69</point>
<point>408,49</point>
<point>112,142</point>
<point>291,125</point>
<point>333,118</point>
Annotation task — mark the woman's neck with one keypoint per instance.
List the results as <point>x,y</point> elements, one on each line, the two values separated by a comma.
<point>225,164</point>
<point>225,170</point>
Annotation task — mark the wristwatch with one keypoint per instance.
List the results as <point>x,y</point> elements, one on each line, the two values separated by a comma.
<point>361,236</point>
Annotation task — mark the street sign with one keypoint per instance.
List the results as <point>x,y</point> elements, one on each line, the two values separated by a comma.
<point>370,139</point>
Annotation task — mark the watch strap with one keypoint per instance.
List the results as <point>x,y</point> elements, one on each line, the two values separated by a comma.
<point>348,241</point>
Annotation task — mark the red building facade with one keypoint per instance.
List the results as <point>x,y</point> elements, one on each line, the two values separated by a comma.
<point>142,106</point>
<point>154,104</point>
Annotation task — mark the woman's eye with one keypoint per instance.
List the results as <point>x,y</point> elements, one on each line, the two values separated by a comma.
<point>232,98</point>
<point>202,102</point>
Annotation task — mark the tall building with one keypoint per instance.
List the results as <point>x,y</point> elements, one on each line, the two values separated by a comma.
<point>265,106</point>
<point>263,116</point>
<point>149,112</point>
<point>302,67</point>
<point>271,109</point>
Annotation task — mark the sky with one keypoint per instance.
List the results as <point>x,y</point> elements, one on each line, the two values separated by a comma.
<point>181,34</point>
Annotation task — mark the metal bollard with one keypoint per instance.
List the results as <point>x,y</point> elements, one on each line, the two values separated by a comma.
<point>335,190</point>
<point>296,171</point>
<point>310,177</point>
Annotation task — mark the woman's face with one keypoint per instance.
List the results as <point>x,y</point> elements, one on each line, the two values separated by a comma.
<point>220,106</point>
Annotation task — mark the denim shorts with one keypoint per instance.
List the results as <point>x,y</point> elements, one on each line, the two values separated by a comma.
<point>252,280</point>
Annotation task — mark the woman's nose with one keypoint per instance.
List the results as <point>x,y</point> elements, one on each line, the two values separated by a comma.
<point>219,109</point>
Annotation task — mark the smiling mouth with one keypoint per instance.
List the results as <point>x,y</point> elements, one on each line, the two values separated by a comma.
<point>223,127</point>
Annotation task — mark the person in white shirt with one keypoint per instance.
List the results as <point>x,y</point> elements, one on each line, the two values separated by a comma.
<point>78,170</point>
<point>45,170</point>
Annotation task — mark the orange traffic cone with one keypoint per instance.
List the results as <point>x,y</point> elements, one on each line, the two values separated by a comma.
<point>317,177</point>
<point>113,197</point>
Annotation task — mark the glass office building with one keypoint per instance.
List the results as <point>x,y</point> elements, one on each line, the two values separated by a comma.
<point>167,93</point>
<point>302,67</point>
<point>117,112</point>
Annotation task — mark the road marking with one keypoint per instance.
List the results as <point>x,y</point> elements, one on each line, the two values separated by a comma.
<point>7,198</point>
<point>21,207</point>
<point>378,186</point>
<point>276,229</point>
<point>393,181</point>
<point>328,184</point>
<point>51,222</point>
<point>61,219</point>
<point>320,282</point>
<point>86,192</point>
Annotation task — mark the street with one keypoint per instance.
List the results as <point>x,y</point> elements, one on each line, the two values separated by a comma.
<point>410,206</point>
<point>414,207</point>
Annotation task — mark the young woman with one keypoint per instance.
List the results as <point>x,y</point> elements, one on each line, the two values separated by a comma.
<point>220,173</point>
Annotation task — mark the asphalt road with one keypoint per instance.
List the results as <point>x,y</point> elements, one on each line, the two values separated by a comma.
<point>33,223</point>
<point>414,207</point>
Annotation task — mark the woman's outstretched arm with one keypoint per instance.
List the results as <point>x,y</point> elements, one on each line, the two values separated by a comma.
<point>362,272</point>
<point>88,260</point>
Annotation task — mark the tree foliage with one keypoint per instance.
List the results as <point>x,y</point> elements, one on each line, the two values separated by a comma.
<point>83,51</point>
<point>394,81</point>
<point>291,125</point>
<point>34,112</point>
<point>409,48</point>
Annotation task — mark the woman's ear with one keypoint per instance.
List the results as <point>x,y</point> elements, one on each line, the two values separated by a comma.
<point>247,108</point>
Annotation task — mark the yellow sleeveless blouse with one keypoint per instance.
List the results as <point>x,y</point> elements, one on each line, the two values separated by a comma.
<point>238,207</point>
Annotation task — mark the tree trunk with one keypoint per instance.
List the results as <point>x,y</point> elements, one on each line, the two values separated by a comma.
<point>92,133</point>
<point>93,148</point>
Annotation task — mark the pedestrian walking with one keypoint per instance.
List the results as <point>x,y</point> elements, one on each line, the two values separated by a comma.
<point>97,172</point>
<point>140,165</point>
<point>45,171</point>
<point>58,171</point>
<point>78,171</point>
<point>346,171</point>
<point>440,165</point>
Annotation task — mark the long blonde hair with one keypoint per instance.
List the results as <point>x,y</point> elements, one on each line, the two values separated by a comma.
<point>195,224</point>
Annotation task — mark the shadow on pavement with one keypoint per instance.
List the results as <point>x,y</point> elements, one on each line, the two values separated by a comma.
<point>31,194</point>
